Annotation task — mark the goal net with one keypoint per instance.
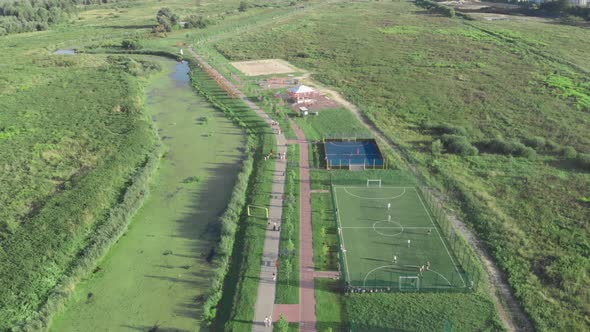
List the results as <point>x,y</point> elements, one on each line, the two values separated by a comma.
<point>409,283</point>
<point>257,211</point>
<point>375,183</point>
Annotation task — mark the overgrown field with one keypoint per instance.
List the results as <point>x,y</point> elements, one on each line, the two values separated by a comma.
<point>67,155</point>
<point>495,112</point>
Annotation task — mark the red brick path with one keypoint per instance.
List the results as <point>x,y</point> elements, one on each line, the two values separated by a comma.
<point>306,267</point>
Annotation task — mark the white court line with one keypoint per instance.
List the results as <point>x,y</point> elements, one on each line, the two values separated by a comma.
<point>431,270</point>
<point>388,227</point>
<point>341,235</point>
<point>397,266</point>
<point>377,198</point>
<point>365,187</point>
<point>441,239</point>
<point>390,222</point>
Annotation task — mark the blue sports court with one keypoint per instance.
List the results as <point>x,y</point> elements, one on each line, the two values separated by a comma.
<point>341,154</point>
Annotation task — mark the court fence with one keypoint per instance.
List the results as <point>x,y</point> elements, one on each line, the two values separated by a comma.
<point>468,268</point>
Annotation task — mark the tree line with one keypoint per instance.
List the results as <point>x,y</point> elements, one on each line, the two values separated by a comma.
<point>38,15</point>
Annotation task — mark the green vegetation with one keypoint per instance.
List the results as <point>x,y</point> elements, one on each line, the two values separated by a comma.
<point>31,15</point>
<point>325,240</point>
<point>78,149</point>
<point>65,170</point>
<point>170,247</point>
<point>329,305</point>
<point>236,306</point>
<point>489,78</point>
<point>421,312</point>
<point>331,122</point>
<point>288,283</point>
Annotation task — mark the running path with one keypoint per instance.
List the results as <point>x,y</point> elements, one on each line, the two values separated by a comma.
<point>307,316</point>
<point>267,287</point>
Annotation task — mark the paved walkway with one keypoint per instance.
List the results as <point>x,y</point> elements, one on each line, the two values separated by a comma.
<point>267,286</point>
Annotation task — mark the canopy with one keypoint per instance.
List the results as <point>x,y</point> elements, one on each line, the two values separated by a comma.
<point>301,89</point>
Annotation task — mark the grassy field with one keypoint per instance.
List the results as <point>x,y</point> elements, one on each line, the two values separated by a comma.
<point>166,249</point>
<point>329,308</point>
<point>330,122</point>
<point>420,77</point>
<point>372,235</point>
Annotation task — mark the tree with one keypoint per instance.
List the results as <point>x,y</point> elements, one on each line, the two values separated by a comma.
<point>288,270</point>
<point>282,324</point>
<point>436,148</point>
<point>290,246</point>
<point>132,44</point>
<point>243,6</point>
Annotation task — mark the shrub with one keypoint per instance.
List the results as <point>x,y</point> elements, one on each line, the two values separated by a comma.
<point>535,142</point>
<point>132,44</point>
<point>459,145</point>
<point>571,20</point>
<point>436,148</point>
<point>583,161</point>
<point>243,6</point>
<point>570,152</point>
<point>446,128</point>
<point>198,22</point>
<point>508,147</point>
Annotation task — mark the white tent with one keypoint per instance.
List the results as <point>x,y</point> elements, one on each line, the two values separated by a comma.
<point>301,89</point>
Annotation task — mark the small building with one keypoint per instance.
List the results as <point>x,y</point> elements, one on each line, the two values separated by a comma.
<point>303,111</point>
<point>302,94</point>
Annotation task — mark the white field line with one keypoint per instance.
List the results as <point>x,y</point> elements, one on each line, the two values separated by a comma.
<point>365,187</point>
<point>343,249</point>
<point>402,227</point>
<point>376,198</point>
<point>396,266</point>
<point>441,239</point>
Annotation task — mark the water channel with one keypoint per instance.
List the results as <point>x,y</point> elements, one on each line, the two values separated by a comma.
<point>157,274</point>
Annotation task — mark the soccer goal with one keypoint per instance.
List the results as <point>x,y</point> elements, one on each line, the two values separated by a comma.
<point>375,183</point>
<point>257,211</point>
<point>409,283</point>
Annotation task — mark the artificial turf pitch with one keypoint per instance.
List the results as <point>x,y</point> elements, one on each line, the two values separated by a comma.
<point>369,241</point>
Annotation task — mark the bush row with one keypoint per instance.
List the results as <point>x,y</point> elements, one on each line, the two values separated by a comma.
<point>507,147</point>
<point>459,145</point>
<point>229,220</point>
<point>436,7</point>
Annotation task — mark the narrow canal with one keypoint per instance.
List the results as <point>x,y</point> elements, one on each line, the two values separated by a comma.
<point>157,274</point>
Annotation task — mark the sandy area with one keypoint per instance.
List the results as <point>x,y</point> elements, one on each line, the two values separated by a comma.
<point>264,67</point>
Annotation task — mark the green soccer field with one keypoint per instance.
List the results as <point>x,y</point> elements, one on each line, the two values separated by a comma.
<point>386,247</point>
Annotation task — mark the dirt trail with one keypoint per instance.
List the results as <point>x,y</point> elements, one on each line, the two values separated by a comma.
<point>509,310</point>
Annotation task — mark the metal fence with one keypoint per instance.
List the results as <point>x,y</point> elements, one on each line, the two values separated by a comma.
<point>392,281</point>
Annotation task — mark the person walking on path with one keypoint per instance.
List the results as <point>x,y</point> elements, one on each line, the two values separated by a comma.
<point>266,321</point>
